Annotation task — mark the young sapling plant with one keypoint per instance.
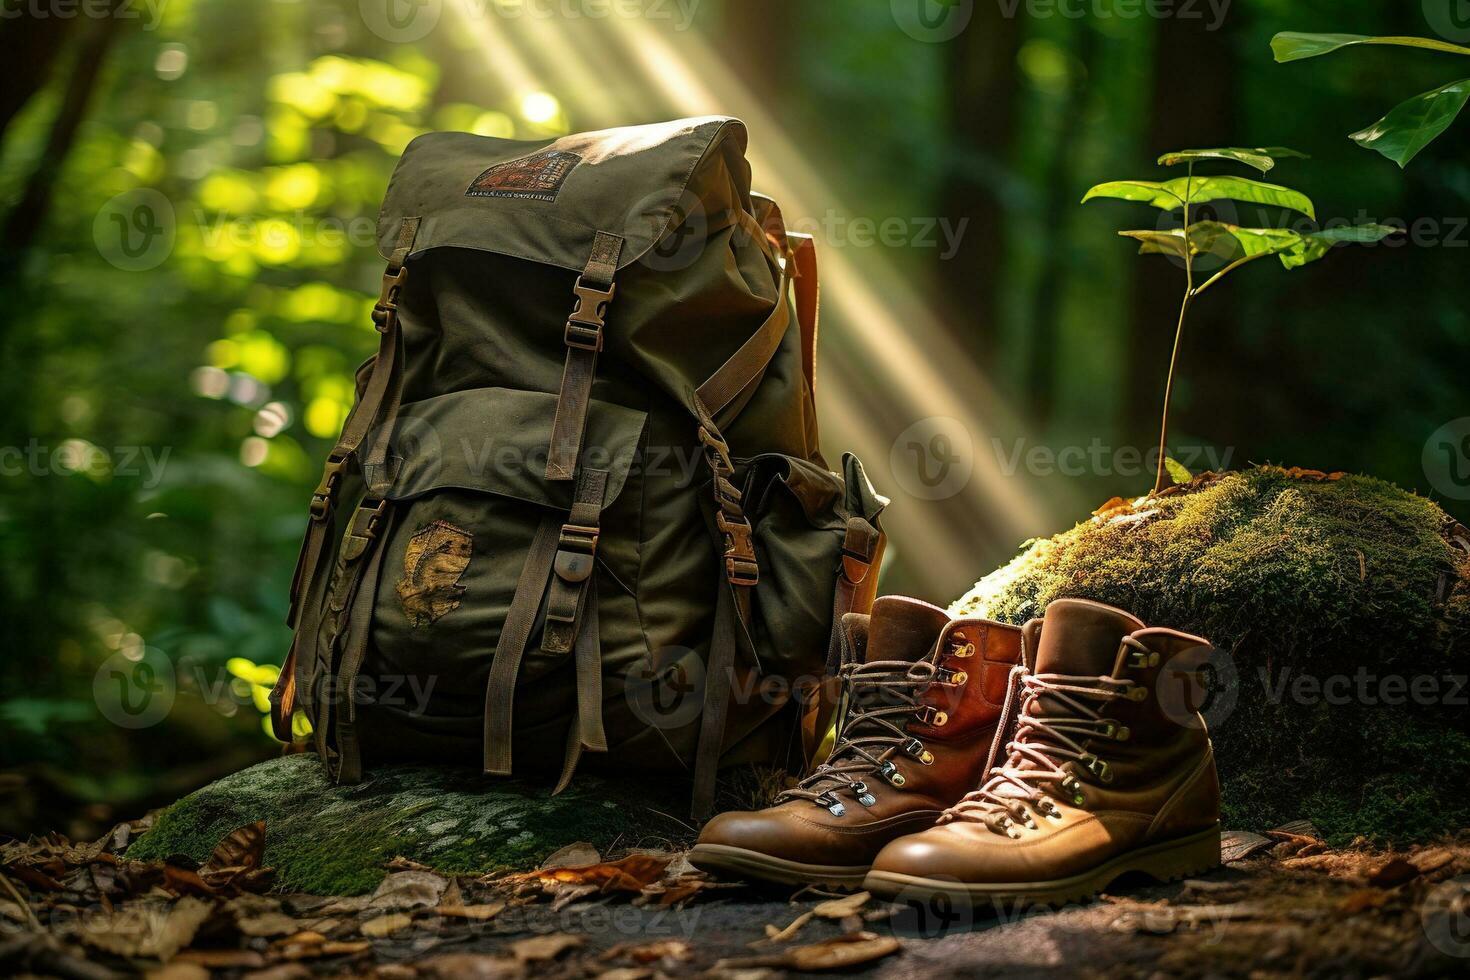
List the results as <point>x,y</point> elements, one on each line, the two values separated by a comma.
<point>1232,245</point>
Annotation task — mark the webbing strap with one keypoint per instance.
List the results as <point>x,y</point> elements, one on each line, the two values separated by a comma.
<point>363,541</point>
<point>576,559</point>
<point>384,385</point>
<point>514,633</point>
<point>594,291</point>
<point>586,733</point>
<point>747,363</point>
<point>718,680</point>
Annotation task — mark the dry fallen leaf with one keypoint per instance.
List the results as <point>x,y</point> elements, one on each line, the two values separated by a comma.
<point>242,848</point>
<point>408,890</point>
<point>547,947</point>
<point>1363,900</point>
<point>575,855</point>
<point>672,950</point>
<point>775,935</point>
<point>470,966</point>
<point>386,925</point>
<point>1430,861</point>
<point>1393,873</point>
<point>222,959</point>
<point>835,954</point>
<point>841,908</point>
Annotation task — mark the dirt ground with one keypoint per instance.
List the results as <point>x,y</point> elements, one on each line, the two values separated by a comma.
<point>1283,904</point>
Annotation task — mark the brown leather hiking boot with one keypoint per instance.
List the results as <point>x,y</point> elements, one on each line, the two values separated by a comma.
<point>923,697</point>
<point>1103,776</point>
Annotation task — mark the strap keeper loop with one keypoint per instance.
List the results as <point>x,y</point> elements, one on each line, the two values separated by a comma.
<point>325,493</point>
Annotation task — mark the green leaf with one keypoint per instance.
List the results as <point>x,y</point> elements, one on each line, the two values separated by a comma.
<point>1158,242</point>
<point>1414,124</point>
<point>1294,46</point>
<point>1315,245</point>
<point>1263,158</point>
<point>1177,471</point>
<point>1171,194</point>
<point>1231,242</point>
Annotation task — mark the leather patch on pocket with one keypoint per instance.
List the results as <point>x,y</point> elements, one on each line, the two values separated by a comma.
<point>436,557</point>
<point>534,178</point>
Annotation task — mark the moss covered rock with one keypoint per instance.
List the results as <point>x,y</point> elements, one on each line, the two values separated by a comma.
<point>1341,608</point>
<point>336,840</point>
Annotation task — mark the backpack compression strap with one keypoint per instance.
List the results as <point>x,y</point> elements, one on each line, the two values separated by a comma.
<point>594,291</point>
<point>384,387</point>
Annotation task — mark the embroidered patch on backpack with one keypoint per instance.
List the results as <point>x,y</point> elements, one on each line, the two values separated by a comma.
<point>533,178</point>
<point>436,557</point>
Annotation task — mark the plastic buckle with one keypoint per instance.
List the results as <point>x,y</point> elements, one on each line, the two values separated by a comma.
<point>578,538</point>
<point>326,490</point>
<point>583,337</point>
<point>374,518</point>
<point>717,449</point>
<point>591,303</point>
<point>740,564</point>
<point>387,304</point>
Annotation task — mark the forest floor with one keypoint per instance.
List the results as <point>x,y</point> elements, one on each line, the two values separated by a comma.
<point>1283,904</point>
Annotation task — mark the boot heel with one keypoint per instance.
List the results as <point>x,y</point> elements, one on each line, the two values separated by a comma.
<point>1185,858</point>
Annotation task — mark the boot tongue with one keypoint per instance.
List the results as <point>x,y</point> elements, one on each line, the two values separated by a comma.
<point>903,629</point>
<point>1081,638</point>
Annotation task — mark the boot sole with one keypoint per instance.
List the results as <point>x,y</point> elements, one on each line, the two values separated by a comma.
<point>1166,861</point>
<point>741,863</point>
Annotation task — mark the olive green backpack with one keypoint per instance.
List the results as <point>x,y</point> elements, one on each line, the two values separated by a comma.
<point>610,532</point>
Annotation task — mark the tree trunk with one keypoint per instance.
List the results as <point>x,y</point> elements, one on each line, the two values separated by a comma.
<point>981,92</point>
<point>28,49</point>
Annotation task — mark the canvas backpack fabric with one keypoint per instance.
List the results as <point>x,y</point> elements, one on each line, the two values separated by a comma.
<point>606,538</point>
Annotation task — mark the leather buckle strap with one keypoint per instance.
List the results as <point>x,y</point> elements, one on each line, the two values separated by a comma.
<point>575,561</point>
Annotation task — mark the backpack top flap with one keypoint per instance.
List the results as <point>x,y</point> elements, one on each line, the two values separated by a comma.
<point>546,201</point>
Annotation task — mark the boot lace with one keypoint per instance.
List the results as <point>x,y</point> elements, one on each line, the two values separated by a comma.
<point>1044,743</point>
<point>882,696</point>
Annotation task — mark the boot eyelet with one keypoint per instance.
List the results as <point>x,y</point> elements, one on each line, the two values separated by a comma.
<point>962,649</point>
<point>1142,660</point>
<point>890,772</point>
<point>832,803</point>
<point>958,678</point>
<point>860,790</point>
<point>932,716</point>
<point>1098,768</point>
<point>915,749</point>
<point>1050,811</point>
<point>1073,788</point>
<point>1137,693</point>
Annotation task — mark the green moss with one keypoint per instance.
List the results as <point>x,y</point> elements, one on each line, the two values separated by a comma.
<point>335,840</point>
<point>1294,578</point>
